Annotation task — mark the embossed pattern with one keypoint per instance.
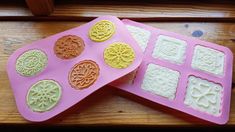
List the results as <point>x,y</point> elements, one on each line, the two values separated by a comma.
<point>43,95</point>
<point>31,62</point>
<point>140,35</point>
<point>204,96</point>
<point>101,31</point>
<point>183,73</point>
<point>160,81</point>
<point>208,60</point>
<point>68,47</point>
<point>170,49</point>
<point>119,55</point>
<point>83,74</point>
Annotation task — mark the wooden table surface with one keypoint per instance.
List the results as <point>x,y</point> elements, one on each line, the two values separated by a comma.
<point>109,106</point>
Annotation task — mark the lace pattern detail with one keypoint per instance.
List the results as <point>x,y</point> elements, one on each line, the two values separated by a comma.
<point>43,95</point>
<point>83,74</point>
<point>119,55</point>
<point>101,31</point>
<point>31,62</point>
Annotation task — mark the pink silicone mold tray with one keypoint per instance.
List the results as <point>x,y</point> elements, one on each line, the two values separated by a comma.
<point>52,92</point>
<point>180,72</point>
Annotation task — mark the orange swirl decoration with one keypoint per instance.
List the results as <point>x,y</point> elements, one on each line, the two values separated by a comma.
<point>83,74</point>
<point>69,46</point>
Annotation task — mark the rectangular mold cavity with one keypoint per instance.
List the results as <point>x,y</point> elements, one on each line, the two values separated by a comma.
<point>208,60</point>
<point>177,53</point>
<point>170,49</point>
<point>161,81</point>
<point>203,95</point>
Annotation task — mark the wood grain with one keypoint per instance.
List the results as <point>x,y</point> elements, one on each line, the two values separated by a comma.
<point>145,9</point>
<point>12,8</point>
<point>104,107</point>
<point>207,10</point>
<point>41,7</point>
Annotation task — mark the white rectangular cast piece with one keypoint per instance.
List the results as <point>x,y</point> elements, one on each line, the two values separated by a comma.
<point>161,81</point>
<point>170,49</point>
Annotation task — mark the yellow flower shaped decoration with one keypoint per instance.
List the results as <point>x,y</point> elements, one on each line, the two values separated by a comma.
<point>119,55</point>
<point>102,31</point>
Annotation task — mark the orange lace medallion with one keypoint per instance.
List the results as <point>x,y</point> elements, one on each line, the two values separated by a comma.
<point>83,74</point>
<point>68,47</point>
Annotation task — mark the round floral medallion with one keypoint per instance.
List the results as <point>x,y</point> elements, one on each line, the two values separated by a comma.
<point>31,62</point>
<point>68,47</point>
<point>83,74</point>
<point>101,31</point>
<point>43,95</point>
<point>119,55</point>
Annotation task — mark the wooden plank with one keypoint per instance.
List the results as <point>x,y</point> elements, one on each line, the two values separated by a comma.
<point>146,10</point>
<point>105,107</point>
<point>41,7</point>
<point>12,8</point>
<point>139,10</point>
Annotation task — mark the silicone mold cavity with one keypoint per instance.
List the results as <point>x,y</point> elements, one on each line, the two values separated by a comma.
<point>210,64</point>
<point>85,79</point>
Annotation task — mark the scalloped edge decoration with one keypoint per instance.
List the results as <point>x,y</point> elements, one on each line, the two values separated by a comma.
<point>204,95</point>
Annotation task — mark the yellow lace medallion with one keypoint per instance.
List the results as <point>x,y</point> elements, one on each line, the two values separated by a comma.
<point>119,55</point>
<point>101,31</point>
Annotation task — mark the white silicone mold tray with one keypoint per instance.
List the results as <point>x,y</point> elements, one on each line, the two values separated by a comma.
<point>180,72</point>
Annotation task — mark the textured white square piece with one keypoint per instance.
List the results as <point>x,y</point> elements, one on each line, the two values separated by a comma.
<point>160,81</point>
<point>204,96</point>
<point>170,49</point>
<point>140,35</point>
<point>208,60</point>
